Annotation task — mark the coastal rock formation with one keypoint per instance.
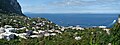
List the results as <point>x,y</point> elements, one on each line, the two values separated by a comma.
<point>10,6</point>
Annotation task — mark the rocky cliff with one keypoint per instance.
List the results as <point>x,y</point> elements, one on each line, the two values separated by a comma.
<point>11,6</point>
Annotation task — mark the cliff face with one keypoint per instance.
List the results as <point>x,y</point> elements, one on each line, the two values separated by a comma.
<point>11,6</point>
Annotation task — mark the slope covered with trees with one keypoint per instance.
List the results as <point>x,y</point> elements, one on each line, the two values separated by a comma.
<point>89,36</point>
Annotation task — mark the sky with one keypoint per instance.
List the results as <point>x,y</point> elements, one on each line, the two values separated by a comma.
<point>70,6</point>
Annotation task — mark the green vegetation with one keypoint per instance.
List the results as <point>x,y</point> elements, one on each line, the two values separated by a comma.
<point>91,36</point>
<point>115,35</point>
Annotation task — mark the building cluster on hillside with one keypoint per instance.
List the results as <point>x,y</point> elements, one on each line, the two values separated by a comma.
<point>8,32</point>
<point>24,27</point>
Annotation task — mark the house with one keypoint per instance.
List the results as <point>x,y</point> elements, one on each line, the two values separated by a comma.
<point>22,28</point>
<point>50,30</point>
<point>79,28</point>
<point>37,27</point>
<point>35,32</point>
<point>109,43</point>
<point>7,36</point>
<point>7,26</point>
<point>77,38</point>
<point>14,20</point>
<point>2,30</point>
<point>53,34</point>
<point>62,29</point>
<point>39,24</point>
<point>22,35</point>
<point>34,22</point>
<point>10,30</point>
<point>1,36</point>
<point>46,34</point>
<point>102,26</point>
<point>40,31</point>
<point>119,20</point>
<point>107,30</point>
<point>70,27</point>
<point>57,31</point>
<point>35,36</point>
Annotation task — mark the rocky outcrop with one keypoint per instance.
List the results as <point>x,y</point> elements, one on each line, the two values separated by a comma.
<point>11,6</point>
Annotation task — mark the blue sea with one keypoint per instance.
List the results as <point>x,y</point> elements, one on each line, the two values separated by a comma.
<point>84,20</point>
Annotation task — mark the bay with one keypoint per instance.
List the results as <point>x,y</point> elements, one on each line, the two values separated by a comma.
<point>73,19</point>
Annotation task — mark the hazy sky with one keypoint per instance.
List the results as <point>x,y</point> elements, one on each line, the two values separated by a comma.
<point>70,6</point>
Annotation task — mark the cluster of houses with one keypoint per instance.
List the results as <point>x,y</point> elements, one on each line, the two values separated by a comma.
<point>7,32</point>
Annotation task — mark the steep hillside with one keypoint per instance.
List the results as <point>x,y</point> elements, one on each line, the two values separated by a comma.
<point>10,6</point>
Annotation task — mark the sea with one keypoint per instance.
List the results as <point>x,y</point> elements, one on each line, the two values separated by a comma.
<point>83,20</point>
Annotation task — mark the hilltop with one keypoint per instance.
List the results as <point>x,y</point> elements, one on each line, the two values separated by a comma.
<point>10,6</point>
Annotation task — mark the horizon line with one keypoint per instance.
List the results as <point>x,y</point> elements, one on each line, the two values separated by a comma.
<point>67,13</point>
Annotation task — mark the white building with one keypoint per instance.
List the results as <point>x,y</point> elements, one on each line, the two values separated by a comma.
<point>40,31</point>
<point>57,31</point>
<point>1,36</point>
<point>2,30</point>
<point>8,26</point>
<point>7,36</point>
<point>119,20</point>
<point>22,28</point>
<point>77,38</point>
<point>9,30</point>
<point>109,44</point>
<point>34,36</point>
<point>107,30</point>
<point>62,29</point>
<point>35,32</point>
<point>102,26</point>
<point>53,34</point>
<point>22,35</point>
<point>80,28</point>
<point>50,30</point>
<point>46,34</point>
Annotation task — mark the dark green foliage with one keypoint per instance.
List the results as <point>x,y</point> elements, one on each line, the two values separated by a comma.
<point>10,6</point>
<point>115,34</point>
